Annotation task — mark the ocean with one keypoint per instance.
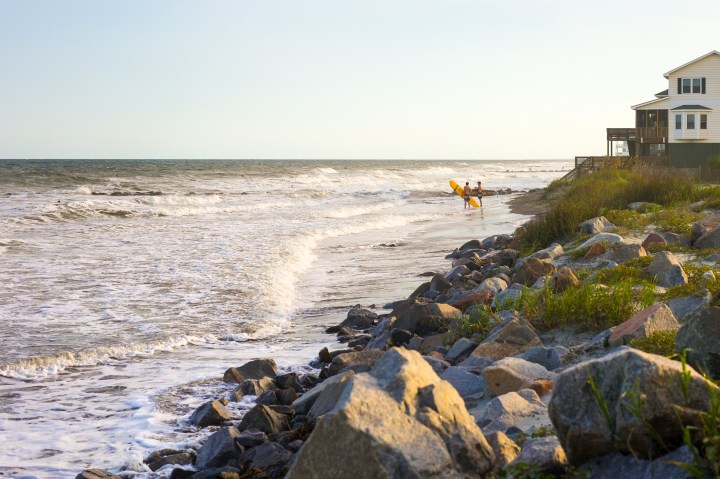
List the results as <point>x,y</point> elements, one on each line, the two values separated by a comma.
<point>129,286</point>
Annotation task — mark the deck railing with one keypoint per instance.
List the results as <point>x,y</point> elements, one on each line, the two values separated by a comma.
<point>652,132</point>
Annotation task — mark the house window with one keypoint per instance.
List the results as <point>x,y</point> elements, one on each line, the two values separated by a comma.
<point>691,85</point>
<point>678,121</point>
<point>703,122</point>
<point>691,121</point>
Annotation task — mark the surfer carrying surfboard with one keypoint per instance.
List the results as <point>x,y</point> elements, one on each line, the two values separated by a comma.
<point>467,191</point>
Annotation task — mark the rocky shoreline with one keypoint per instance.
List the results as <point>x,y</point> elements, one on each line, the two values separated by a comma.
<point>459,380</point>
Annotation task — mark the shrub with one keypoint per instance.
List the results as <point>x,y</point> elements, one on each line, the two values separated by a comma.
<point>478,323</point>
<point>659,342</point>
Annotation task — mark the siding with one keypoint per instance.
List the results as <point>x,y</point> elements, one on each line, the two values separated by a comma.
<point>691,155</point>
<point>709,68</point>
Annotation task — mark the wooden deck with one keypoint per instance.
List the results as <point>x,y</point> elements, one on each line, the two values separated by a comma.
<point>589,164</point>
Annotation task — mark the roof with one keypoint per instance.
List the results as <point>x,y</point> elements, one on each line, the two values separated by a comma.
<point>657,100</point>
<point>691,107</point>
<point>662,94</point>
<point>714,52</point>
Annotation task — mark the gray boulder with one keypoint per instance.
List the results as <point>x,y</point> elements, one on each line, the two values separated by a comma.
<point>494,285</point>
<point>626,252</point>
<point>685,307</point>
<point>457,273</point>
<point>465,383</point>
<point>550,357</point>
<point>505,449</point>
<point>253,387</point>
<point>666,270</point>
<point>585,431</point>
<point>596,225</point>
<point>460,348</point>
<point>357,318</point>
<point>508,296</point>
<point>607,238</point>
<point>511,410</point>
<point>271,458</point>
<point>699,335</point>
<point>616,466</point>
<point>381,334</point>
<point>422,319</point>
<point>264,418</point>
<point>531,270</point>
<point>545,453</point>
<point>551,252</point>
<point>398,420</point>
<point>358,361</point>
<point>513,374</point>
<point>512,336</point>
<point>709,239</point>
<point>303,404</point>
<point>255,369</point>
<point>218,449</point>
<point>96,474</point>
<point>655,318</point>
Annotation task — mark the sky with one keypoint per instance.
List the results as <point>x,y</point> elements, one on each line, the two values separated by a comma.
<point>335,79</point>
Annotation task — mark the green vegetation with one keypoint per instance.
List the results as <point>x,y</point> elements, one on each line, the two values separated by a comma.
<point>476,324</point>
<point>591,306</point>
<point>660,342</point>
<point>696,285</point>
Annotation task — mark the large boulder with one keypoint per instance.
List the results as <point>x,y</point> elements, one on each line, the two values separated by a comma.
<point>510,409</point>
<point>460,349</point>
<point>211,413</point>
<point>253,387</point>
<point>618,466</point>
<point>513,374</point>
<point>271,458</point>
<point>466,383</point>
<point>545,454</point>
<point>666,270</point>
<point>550,357</point>
<point>381,334</point>
<point>511,337</point>
<point>685,307</point>
<point>398,420</point>
<point>593,402</point>
<point>699,335</point>
<point>657,317</point>
<point>505,449</point>
<point>358,361</point>
<point>551,252</point>
<point>531,270</point>
<point>218,449</point>
<point>457,273</point>
<point>607,238</point>
<point>494,285</point>
<point>425,318</point>
<point>255,369</point>
<point>477,296</point>
<point>653,238</point>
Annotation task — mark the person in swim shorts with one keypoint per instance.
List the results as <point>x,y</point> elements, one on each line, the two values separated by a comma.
<point>467,191</point>
<point>479,192</point>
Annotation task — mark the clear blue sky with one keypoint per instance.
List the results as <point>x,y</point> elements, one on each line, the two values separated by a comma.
<point>334,78</point>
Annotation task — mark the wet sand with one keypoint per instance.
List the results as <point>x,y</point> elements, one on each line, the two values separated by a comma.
<point>531,203</point>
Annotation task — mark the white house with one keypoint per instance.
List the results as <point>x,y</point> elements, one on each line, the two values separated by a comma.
<point>681,126</point>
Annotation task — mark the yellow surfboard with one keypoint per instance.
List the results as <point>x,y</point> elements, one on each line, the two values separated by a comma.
<point>459,191</point>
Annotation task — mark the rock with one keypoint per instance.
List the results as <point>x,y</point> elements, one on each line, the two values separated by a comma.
<point>709,239</point>
<point>96,474</point>
<point>506,298</point>
<point>596,225</point>
<point>616,465</point>
<point>211,413</point>
<point>357,318</point>
<point>598,343</point>
<point>358,361</point>
<point>464,382</point>
<point>457,273</point>
<point>541,386</point>
<point>253,387</point>
<point>505,449</point>
<point>255,369</point>
<point>653,238</point>
<point>512,374</point>
<point>267,398</point>
<point>288,381</point>
<point>531,270</point>
<point>508,410</point>
<point>265,419</point>
<point>226,472</point>
<point>545,453</point>
<point>595,250</point>
<point>398,420</point>
<point>218,449</point>
<point>461,348</point>
<point>324,355</point>
<point>303,404</point>
<point>619,376</point>
<point>473,298</point>
<point>607,238</point>
<point>400,337</point>
<point>163,457</point>
<point>440,284</point>
<point>475,364</point>
<point>627,252</point>
<point>509,338</point>
<point>666,269</point>
<point>563,279</point>
<point>708,277</point>
<point>549,357</point>
<point>251,438</point>
<point>697,231</point>
<point>431,343</point>
<point>381,334</point>
<point>699,335</point>
<point>493,285</point>
<point>674,238</point>
<point>286,397</point>
<point>327,400</point>
<point>470,245</point>
<point>657,317</point>
<point>423,319</point>
<point>551,252</point>
<point>271,458</point>
<point>686,306</point>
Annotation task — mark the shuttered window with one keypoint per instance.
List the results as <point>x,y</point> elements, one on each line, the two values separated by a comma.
<point>691,85</point>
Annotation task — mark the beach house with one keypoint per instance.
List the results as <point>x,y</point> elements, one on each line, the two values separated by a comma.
<point>681,126</point>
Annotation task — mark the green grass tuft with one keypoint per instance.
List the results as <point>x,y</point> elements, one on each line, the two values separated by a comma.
<point>661,343</point>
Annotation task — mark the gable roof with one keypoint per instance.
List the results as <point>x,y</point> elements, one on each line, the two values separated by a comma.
<point>662,94</point>
<point>657,100</point>
<point>691,107</point>
<point>714,52</point>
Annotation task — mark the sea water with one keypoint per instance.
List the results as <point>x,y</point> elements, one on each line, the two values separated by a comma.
<point>129,286</point>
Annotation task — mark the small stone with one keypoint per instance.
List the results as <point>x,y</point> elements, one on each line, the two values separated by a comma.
<point>545,453</point>
<point>512,374</point>
<point>653,238</point>
<point>666,269</point>
<point>624,253</point>
<point>595,250</point>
